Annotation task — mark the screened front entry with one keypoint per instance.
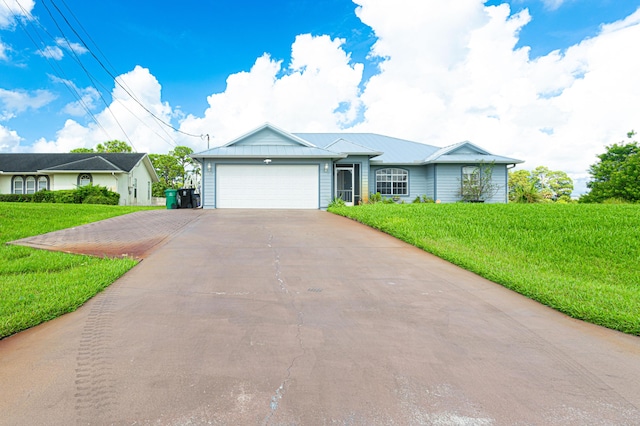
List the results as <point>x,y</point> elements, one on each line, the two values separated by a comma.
<point>344,184</point>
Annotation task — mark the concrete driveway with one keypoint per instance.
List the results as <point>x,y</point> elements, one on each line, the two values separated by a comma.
<point>305,318</point>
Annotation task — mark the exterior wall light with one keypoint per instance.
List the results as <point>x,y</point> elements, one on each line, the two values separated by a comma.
<point>267,160</point>
<point>326,167</point>
<point>209,167</point>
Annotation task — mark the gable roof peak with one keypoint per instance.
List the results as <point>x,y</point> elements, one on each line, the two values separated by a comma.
<point>275,129</point>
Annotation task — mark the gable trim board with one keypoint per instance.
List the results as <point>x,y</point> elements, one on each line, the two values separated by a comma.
<point>432,171</point>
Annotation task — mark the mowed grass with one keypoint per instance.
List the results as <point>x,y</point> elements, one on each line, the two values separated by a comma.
<point>39,285</point>
<point>583,260</point>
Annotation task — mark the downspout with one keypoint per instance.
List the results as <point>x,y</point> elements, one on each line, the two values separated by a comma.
<point>435,182</point>
<point>506,183</point>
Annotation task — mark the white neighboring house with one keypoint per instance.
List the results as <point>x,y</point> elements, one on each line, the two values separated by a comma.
<point>129,174</point>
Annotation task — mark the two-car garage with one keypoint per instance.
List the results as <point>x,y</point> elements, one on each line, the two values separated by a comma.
<point>267,186</point>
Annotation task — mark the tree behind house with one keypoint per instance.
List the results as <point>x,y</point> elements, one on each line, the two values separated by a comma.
<point>616,174</point>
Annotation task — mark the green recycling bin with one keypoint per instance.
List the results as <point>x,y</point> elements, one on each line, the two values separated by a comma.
<point>172,199</point>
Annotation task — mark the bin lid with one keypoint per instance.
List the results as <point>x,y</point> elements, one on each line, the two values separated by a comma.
<point>170,191</point>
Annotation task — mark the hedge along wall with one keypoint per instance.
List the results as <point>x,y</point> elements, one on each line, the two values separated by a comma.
<point>90,194</point>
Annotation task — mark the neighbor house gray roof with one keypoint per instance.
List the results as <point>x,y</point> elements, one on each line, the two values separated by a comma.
<point>69,162</point>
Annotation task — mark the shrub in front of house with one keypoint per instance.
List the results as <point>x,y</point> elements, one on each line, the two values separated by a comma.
<point>90,194</point>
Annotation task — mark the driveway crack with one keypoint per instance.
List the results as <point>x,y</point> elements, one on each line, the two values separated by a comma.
<point>280,391</point>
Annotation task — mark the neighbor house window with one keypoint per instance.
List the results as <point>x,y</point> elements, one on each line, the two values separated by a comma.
<point>84,179</point>
<point>18,185</point>
<point>392,182</point>
<point>42,183</point>
<point>30,185</point>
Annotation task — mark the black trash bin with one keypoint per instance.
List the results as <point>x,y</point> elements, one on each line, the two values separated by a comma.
<point>185,198</point>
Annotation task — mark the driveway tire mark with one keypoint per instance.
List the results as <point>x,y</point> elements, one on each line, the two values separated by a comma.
<point>95,384</point>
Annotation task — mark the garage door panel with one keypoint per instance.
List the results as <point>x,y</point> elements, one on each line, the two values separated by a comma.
<point>267,186</point>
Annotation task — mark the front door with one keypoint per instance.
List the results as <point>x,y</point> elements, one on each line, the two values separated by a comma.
<point>344,178</point>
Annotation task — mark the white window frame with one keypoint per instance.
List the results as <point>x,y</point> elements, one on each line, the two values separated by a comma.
<point>470,172</point>
<point>88,178</point>
<point>392,181</point>
<point>30,185</point>
<point>42,183</point>
<point>18,189</point>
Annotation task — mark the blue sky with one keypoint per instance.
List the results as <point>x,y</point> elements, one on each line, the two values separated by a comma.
<point>523,78</point>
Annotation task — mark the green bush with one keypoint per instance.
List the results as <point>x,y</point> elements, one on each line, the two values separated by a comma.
<point>67,196</point>
<point>337,202</point>
<point>375,198</point>
<point>615,200</point>
<point>90,194</point>
<point>100,199</point>
<point>44,196</point>
<point>16,198</point>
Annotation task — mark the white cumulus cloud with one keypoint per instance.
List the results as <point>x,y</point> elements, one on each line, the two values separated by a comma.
<point>9,140</point>
<point>454,73</point>
<point>17,101</point>
<point>125,119</point>
<point>10,10</point>
<point>51,52</point>
<point>448,71</point>
<point>316,91</point>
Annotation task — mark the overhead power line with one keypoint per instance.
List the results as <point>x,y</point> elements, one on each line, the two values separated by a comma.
<point>88,74</point>
<point>54,66</point>
<point>116,80</point>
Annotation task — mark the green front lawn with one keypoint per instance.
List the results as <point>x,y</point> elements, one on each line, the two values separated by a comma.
<point>39,285</point>
<point>581,259</point>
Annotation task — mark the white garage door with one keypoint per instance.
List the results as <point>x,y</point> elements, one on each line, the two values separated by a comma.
<point>267,187</point>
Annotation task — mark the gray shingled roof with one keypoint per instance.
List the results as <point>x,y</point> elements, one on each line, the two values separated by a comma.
<point>89,162</point>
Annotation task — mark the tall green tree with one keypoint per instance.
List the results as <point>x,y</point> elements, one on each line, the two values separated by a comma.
<point>538,185</point>
<point>185,162</point>
<point>615,174</point>
<point>82,150</point>
<point>168,171</point>
<point>522,187</point>
<point>114,146</point>
<point>552,184</point>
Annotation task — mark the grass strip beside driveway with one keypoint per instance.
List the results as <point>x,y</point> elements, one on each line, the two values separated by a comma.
<point>582,260</point>
<point>39,285</point>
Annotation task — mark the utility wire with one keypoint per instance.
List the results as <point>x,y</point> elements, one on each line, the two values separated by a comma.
<point>56,68</point>
<point>170,142</point>
<point>116,80</point>
<point>79,62</point>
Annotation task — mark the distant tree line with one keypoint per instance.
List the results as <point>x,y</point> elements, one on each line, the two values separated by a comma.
<point>540,185</point>
<point>615,177</point>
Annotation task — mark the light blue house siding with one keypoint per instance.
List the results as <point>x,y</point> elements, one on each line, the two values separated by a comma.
<point>430,170</point>
<point>209,168</point>
<point>449,178</point>
<point>417,180</point>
